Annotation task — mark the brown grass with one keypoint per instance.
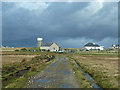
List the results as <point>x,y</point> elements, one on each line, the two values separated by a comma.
<point>14,56</point>
<point>7,59</point>
<point>104,69</point>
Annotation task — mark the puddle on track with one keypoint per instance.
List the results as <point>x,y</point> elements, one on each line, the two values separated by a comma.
<point>64,72</point>
<point>54,65</point>
<point>65,59</point>
<point>44,80</point>
<point>65,86</point>
<point>65,63</point>
<point>47,71</point>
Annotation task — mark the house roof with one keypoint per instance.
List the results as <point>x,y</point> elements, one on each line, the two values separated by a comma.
<point>115,45</point>
<point>46,44</point>
<point>92,45</point>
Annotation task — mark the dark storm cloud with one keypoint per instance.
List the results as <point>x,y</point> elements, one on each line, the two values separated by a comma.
<point>58,22</point>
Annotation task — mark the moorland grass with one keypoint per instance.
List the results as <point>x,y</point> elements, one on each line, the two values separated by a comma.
<point>103,69</point>
<point>15,75</point>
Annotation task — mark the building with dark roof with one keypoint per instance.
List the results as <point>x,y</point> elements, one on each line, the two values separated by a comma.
<point>46,44</point>
<point>53,47</point>
<point>115,46</point>
<point>93,46</point>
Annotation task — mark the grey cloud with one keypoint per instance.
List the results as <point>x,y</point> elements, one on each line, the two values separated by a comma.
<point>59,22</point>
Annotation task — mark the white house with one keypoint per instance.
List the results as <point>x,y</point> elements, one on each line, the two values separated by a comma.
<point>53,47</point>
<point>115,46</point>
<point>93,46</point>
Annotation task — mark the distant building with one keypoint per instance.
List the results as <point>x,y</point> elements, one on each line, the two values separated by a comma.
<point>53,47</point>
<point>92,46</point>
<point>115,46</point>
<point>68,50</point>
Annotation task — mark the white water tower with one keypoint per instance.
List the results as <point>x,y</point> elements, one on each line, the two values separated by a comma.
<point>39,41</point>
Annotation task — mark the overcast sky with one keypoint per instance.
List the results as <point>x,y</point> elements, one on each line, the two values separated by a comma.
<point>70,24</point>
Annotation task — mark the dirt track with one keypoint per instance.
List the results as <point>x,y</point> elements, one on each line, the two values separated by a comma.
<point>57,75</point>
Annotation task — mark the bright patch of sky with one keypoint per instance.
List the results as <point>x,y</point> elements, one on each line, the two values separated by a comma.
<point>32,6</point>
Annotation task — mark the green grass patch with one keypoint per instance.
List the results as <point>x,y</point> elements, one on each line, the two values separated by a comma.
<point>81,79</point>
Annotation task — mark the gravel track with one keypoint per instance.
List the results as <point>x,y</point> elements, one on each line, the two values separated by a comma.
<point>59,74</point>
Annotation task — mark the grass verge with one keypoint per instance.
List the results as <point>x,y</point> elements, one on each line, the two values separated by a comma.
<point>100,69</point>
<point>81,79</point>
<point>18,74</point>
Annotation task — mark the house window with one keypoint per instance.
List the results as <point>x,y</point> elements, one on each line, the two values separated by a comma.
<point>54,48</point>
